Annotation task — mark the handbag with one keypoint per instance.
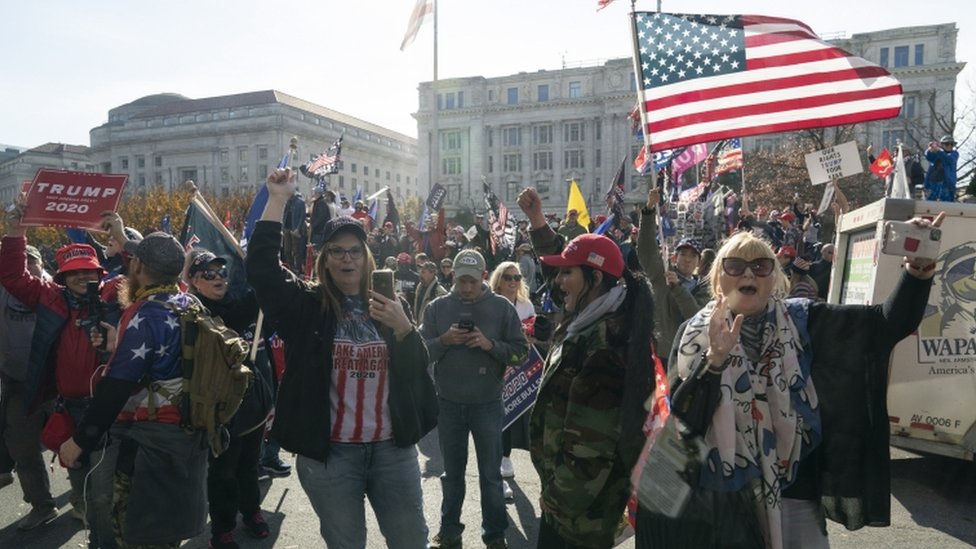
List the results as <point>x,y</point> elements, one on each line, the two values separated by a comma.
<point>58,428</point>
<point>695,399</point>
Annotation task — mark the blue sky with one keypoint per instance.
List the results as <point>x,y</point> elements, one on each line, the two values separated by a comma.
<point>66,63</point>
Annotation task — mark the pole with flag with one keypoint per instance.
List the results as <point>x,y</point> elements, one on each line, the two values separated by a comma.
<point>502,226</point>
<point>257,206</point>
<point>899,187</point>
<point>578,203</point>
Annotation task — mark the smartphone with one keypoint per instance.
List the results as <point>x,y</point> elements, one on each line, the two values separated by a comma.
<point>383,282</point>
<point>910,240</point>
<point>465,322</point>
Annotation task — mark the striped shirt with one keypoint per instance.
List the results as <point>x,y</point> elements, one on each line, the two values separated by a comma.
<point>360,379</point>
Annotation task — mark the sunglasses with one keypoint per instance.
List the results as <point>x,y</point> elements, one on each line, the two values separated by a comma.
<point>338,252</point>
<point>512,278</point>
<point>736,266</point>
<point>210,274</point>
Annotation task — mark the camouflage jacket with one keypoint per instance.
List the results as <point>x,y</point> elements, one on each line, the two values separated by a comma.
<point>575,436</point>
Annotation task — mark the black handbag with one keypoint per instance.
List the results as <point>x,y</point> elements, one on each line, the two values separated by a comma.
<point>694,400</point>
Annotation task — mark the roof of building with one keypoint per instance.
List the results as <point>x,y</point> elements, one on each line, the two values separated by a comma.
<point>59,148</point>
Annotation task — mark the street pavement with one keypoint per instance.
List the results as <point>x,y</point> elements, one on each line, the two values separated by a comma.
<point>933,506</point>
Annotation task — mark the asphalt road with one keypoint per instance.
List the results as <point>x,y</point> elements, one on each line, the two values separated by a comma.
<point>933,506</point>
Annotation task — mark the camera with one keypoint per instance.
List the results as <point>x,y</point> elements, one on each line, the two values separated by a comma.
<point>910,240</point>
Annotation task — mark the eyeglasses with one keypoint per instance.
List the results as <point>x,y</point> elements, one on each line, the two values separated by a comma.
<point>512,278</point>
<point>338,252</point>
<point>736,266</point>
<point>210,274</point>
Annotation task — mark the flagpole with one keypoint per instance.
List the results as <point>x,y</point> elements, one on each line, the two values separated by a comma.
<point>638,75</point>
<point>434,139</point>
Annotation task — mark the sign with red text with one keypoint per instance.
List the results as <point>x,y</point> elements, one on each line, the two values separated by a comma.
<point>63,198</point>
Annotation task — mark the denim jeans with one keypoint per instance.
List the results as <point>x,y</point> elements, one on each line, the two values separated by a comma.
<point>389,476</point>
<point>484,422</point>
<point>92,483</point>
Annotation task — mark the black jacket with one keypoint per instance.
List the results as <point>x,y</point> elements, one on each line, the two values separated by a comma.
<point>302,414</point>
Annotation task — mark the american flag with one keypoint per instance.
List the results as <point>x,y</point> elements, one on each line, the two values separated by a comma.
<point>327,162</point>
<point>711,77</point>
<point>615,194</point>
<point>502,227</point>
<point>729,156</point>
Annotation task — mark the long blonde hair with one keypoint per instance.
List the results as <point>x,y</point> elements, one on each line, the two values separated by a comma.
<point>495,281</point>
<point>747,245</point>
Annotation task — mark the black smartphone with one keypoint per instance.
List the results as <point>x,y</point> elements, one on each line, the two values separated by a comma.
<point>465,323</point>
<point>383,282</point>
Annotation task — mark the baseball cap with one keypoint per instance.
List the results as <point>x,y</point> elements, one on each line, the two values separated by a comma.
<point>77,257</point>
<point>688,243</point>
<point>160,252</point>
<point>947,139</point>
<point>469,263</point>
<point>592,250</point>
<point>403,257</point>
<point>32,251</point>
<point>447,261</point>
<point>203,260</point>
<point>343,224</point>
<point>573,211</point>
<point>788,251</point>
<point>787,216</point>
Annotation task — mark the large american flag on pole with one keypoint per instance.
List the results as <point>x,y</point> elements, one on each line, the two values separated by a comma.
<point>328,162</point>
<point>502,227</point>
<point>711,77</point>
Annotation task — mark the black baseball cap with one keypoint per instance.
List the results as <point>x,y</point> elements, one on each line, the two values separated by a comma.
<point>344,224</point>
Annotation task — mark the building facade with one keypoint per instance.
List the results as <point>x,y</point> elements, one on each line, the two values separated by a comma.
<point>229,143</point>
<point>545,128</point>
<point>21,166</point>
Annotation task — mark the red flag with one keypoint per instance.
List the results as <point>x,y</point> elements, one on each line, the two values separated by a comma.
<point>653,424</point>
<point>227,219</point>
<point>882,165</point>
<point>711,77</point>
<point>600,4</point>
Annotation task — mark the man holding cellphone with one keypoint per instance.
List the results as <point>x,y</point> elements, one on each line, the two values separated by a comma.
<point>472,334</point>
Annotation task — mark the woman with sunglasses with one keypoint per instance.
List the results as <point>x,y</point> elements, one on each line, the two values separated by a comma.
<point>356,396</point>
<point>798,431</point>
<point>507,281</point>
<point>232,478</point>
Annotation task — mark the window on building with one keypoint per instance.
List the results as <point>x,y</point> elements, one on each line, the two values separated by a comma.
<point>366,171</point>
<point>884,57</point>
<point>598,130</point>
<point>353,168</point>
<point>242,155</point>
<point>449,101</point>
<point>397,178</point>
<point>573,132</point>
<point>542,187</point>
<point>919,54</point>
<point>491,137</point>
<point>908,107</point>
<point>224,174</point>
<point>491,96</point>
<point>766,145</point>
<point>140,161</point>
<point>542,160</point>
<point>542,134</point>
<point>573,159</point>
<point>388,176</point>
<point>354,182</point>
<point>575,89</point>
<point>542,94</point>
<point>342,182</point>
<point>901,56</point>
<point>263,171</point>
<point>460,99</point>
<point>124,162</point>
<point>365,187</point>
<point>451,141</point>
<point>262,153</point>
<point>511,137</point>
<point>633,82</point>
<point>512,163</point>
<point>597,158</point>
<point>376,172</point>
<point>491,164</point>
<point>512,190</point>
<point>451,165</point>
<point>512,94</point>
<point>890,138</point>
<point>243,174</point>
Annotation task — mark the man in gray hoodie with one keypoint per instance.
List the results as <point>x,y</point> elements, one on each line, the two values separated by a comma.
<point>472,334</point>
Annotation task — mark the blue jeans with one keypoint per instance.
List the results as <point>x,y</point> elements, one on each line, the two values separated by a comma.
<point>387,475</point>
<point>484,422</point>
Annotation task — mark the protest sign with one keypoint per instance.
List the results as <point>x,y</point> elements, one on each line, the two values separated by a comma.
<point>436,197</point>
<point>71,199</point>
<point>521,386</point>
<point>834,162</point>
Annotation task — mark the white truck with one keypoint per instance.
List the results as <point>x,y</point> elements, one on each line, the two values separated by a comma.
<point>932,381</point>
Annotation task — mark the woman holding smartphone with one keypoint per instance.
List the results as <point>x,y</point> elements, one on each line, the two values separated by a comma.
<point>356,396</point>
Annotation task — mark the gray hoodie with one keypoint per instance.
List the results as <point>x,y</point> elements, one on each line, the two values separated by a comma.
<point>473,376</point>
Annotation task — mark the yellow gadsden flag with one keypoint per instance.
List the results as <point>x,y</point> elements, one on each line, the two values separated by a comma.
<point>577,203</point>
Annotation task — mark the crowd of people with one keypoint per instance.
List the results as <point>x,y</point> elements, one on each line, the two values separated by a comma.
<point>781,391</point>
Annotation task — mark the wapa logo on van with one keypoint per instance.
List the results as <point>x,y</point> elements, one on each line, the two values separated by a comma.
<point>947,334</point>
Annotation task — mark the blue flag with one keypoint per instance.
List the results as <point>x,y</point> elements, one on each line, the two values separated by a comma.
<point>422,222</point>
<point>374,210</point>
<point>358,196</point>
<point>76,235</point>
<point>257,207</point>
<point>605,226</point>
<point>166,225</point>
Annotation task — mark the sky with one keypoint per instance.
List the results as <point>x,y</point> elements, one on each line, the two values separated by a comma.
<point>66,63</point>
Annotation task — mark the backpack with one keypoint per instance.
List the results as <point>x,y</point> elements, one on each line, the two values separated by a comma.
<point>215,377</point>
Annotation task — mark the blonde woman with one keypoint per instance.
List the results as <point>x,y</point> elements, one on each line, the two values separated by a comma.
<point>507,281</point>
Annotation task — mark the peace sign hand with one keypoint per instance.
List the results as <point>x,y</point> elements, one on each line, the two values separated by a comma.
<point>722,338</point>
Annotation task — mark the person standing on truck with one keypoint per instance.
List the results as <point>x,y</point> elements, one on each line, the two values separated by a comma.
<point>940,180</point>
<point>799,430</point>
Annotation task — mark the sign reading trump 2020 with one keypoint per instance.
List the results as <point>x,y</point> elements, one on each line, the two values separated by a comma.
<point>521,386</point>
<point>71,199</point>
